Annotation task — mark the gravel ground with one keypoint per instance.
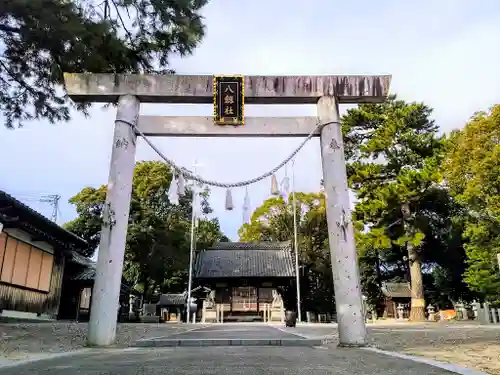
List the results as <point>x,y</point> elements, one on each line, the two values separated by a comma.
<point>476,347</point>
<point>469,345</point>
<point>20,341</point>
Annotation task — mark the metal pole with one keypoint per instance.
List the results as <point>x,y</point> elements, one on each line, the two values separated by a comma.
<point>296,243</point>
<point>191,250</point>
<point>106,291</point>
<point>345,270</point>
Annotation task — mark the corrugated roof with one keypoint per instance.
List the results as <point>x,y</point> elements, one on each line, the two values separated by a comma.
<point>238,259</point>
<point>396,290</point>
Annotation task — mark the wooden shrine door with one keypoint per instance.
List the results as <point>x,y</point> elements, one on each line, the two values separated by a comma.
<point>244,299</point>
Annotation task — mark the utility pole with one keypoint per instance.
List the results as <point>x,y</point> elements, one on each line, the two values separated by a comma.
<point>192,245</point>
<point>53,200</point>
<point>296,243</point>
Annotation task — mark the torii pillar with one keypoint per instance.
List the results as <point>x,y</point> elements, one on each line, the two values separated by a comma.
<point>325,91</point>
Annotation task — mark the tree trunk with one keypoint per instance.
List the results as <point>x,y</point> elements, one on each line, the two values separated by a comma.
<point>379,274</point>
<point>417,312</point>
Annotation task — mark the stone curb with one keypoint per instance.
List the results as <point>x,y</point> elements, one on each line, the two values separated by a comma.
<point>159,343</point>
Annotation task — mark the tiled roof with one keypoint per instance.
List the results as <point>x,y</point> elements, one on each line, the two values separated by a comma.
<point>172,299</point>
<point>17,212</point>
<point>396,290</point>
<point>284,245</point>
<point>86,274</point>
<point>238,259</point>
<point>202,289</point>
<point>74,257</point>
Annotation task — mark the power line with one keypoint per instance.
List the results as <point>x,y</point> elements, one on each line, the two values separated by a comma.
<point>52,199</point>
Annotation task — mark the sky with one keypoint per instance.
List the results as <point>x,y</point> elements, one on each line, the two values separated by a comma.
<point>441,52</point>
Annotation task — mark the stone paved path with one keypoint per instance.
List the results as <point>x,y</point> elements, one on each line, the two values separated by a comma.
<point>467,344</point>
<point>231,335</point>
<point>245,331</point>
<point>225,361</point>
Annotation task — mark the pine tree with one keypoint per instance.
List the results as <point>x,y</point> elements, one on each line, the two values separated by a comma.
<point>43,39</point>
<point>393,154</point>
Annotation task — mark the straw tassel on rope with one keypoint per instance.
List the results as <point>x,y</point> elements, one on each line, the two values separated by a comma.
<point>229,200</point>
<point>274,186</point>
<point>246,208</point>
<point>173,196</point>
<point>285,185</point>
<point>181,186</point>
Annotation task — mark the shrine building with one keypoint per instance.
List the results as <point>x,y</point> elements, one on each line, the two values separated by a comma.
<point>244,279</point>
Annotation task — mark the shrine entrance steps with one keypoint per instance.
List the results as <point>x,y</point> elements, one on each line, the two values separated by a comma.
<point>243,317</point>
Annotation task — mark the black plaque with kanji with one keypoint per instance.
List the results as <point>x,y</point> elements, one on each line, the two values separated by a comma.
<point>229,100</point>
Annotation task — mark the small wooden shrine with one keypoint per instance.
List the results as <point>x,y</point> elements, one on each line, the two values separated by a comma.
<point>396,294</point>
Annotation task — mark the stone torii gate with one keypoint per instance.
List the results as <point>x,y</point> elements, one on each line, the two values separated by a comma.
<point>131,90</point>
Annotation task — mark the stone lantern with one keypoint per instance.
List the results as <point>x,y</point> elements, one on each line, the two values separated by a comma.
<point>432,313</point>
<point>400,309</point>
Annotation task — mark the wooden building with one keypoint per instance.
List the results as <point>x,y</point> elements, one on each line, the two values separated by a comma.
<point>172,306</point>
<point>33,257</point>
<point>395,294</point>
<point>244,279</point>
<point>78,283</point>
